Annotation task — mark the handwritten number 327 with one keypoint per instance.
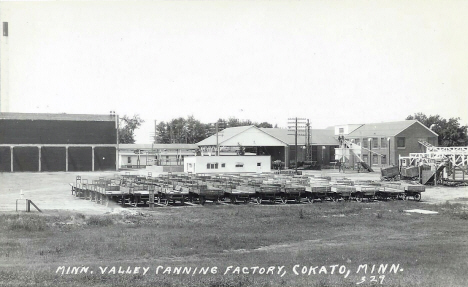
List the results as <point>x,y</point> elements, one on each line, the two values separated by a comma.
<point>372,279</point>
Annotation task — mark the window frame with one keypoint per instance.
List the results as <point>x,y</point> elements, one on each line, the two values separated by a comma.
<point>398,139</point>
<point>375,142</point>
<point>383,142</point>
<point>383,159</point>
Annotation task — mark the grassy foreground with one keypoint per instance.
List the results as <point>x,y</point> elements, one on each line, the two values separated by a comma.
<point>283,241</point>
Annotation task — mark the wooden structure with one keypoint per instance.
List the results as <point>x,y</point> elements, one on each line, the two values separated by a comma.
<point>169,189</point>
<point>442,164</point>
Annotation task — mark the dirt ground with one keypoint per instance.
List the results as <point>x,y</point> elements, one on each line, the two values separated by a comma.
<point>52,192</point>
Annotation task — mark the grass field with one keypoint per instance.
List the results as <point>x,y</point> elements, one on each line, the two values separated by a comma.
<point>429,250</point>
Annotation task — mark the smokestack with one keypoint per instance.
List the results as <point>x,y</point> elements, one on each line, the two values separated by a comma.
<point>4,97</point>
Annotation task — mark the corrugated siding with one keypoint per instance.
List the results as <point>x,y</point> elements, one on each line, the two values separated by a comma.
<point>5,159</point>
<point>57,132</point>
<point>104,158</point>
<point>53,159</point>
<point>25,159</point>
<point>79,159</point>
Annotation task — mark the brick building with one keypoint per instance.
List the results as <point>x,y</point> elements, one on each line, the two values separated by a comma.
<point>383,143</point>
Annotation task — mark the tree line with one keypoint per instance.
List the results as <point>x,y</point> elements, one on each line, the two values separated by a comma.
<point>451,132</point>
<point>190,130</point>
<point>180,130</point>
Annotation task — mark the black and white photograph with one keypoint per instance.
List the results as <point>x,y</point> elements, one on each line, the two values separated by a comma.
<point>234,143</point>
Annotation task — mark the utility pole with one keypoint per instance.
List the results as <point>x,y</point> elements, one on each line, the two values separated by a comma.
<point>308,150</point>
<point>217,143</point>
<point>295,141</point>
<point>299,126</point>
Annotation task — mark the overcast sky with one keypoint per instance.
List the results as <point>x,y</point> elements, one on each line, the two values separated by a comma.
<point>333,62</point>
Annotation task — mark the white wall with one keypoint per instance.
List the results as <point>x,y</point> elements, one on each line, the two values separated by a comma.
<point>346,129</point>
<point>198,164</point>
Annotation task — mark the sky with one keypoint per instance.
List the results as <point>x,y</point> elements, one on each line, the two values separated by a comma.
<point>333,62</point>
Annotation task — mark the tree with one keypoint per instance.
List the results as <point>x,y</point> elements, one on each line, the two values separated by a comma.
<point>264,125</point>
<point>191,131</point>
<point>162,135</point>
<point>127,128</point>
<point>451,132</point>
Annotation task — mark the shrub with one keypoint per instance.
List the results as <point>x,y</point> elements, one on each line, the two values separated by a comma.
<point>26,223</point>
<point>99,220</point>
<point>463,215</point>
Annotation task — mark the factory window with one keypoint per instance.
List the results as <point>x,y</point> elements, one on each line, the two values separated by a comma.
<point>357,141</point>
<point>375,159</point>
<point>383,142</point>
<point>223,165</point>
<point>365,142</point>
<point>129,159</point>
<point>384,159</point>
<point>259,164</point>
<point>365,158</point>
<point>401,142</point>
<point>375,142</point>
<point>212,165</point>
<point>239,164</point>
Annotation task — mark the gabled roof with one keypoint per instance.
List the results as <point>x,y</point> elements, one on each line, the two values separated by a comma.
<point>385,129</point>
<point>318,136</point>
<point>253,136</point>
<point>56,117</point>
<point>245,136</point>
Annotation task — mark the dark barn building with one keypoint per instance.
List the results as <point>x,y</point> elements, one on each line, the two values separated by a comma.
<point>58,142</point>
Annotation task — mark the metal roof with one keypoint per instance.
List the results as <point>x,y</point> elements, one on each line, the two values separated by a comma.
<point>317,136</point>
<point>56,117</point>
<point>157,146</point>
<point>283,136</point>
<point>385,129</point>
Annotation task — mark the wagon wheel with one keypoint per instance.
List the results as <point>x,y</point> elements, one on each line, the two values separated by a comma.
<point>401,196</point>
<point>284,199</point>
<point>259,200</point>
<point>335,199</point>
<point>310,199</point>
<point>159,200</point>
<point>202,200</point>
<point>405,197</point>
<point>298,199</point>
<point>247,200</point>
<point>359,198</point>
<point>417,196</point>
<point>233,199</point>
